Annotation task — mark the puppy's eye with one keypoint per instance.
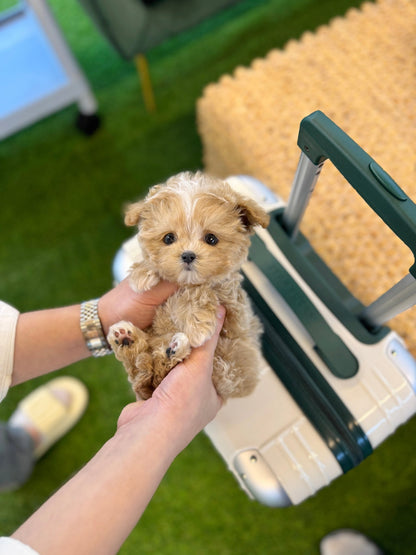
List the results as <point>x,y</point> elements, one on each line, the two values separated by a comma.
<point>169,238</point>
<point>211,239</point>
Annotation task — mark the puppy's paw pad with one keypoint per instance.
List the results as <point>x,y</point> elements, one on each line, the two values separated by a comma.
<point>121,334</point>
<point>179,345</point>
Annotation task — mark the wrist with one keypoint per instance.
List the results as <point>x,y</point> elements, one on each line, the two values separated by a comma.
<point>146,421</point>
<point>168,428</point>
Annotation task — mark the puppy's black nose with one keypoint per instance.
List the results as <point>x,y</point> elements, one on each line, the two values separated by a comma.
<point>188,257</point>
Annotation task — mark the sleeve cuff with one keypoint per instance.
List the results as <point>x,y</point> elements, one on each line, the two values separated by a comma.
<point>8,323</point>
<point>10,546</point>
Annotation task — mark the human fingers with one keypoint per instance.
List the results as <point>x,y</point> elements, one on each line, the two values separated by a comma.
<point>158,294</point>
<point>195,371</point>
<point>203,355</point>
<point>148,301</point>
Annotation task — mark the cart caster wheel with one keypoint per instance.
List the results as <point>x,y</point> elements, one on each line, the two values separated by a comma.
<point>88,123</point>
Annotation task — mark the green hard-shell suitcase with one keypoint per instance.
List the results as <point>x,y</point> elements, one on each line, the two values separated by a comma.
<point>336,381</point>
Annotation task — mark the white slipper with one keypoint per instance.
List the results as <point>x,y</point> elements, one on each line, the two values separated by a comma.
<point>47,414</point>
<point>348,542</point>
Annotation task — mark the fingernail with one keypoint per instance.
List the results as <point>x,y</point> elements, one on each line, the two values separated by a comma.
<point>220,312</point>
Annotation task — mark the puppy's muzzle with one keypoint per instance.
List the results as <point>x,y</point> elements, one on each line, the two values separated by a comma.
<point>188,257</point>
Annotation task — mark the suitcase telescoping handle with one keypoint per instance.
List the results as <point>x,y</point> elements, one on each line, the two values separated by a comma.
<point>319,139</point>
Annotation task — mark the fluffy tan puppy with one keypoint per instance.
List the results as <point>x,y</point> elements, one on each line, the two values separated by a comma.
<point>193,230</point>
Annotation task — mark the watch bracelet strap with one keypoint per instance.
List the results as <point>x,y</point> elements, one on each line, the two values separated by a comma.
<point>92,329</point>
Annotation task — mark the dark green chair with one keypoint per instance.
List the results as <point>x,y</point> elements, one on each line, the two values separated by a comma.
<point>135,26</point>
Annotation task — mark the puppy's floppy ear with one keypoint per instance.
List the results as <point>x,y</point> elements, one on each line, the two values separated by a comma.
<point>252,214</point>
<point>132,215</point>
<point>134,211</point>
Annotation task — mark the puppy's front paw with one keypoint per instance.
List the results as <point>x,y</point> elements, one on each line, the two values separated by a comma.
<point>142,278</point>
<point>179,347</point>
<point>121,335</point>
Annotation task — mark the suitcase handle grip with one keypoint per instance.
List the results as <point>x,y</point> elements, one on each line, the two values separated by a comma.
<point>320,139</point>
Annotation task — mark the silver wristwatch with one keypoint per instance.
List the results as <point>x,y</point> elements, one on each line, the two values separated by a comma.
<point>92,329</point>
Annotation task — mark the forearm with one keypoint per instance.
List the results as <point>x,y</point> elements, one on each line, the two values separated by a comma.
<point>47,340</point>
<point>97,509</point>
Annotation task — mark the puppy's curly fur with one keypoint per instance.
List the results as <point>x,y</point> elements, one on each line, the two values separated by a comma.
<point>194,230</point>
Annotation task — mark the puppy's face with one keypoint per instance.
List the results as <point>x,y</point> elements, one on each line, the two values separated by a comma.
<point>195,229</point>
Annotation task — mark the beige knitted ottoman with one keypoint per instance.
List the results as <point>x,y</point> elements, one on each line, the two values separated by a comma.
<point>360,70</point>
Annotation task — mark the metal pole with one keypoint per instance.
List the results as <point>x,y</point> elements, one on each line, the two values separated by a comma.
<point>400,297</point>
<point>303,185</point>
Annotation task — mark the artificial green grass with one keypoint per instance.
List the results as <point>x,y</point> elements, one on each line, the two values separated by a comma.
<point>61,224</point>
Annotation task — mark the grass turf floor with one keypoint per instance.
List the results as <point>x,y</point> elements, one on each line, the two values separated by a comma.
<point>61,224</point>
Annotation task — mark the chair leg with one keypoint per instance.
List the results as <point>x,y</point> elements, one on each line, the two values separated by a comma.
<point>147,89</point>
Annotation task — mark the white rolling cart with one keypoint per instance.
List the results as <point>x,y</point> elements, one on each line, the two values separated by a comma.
<point>38,73</point>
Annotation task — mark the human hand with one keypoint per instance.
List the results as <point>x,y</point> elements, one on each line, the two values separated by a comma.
<point>186,400</point>
<point>122,303</point>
